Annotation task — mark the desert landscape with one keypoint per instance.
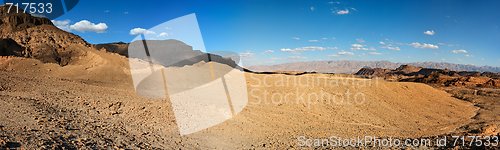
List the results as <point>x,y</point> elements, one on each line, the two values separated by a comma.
<point>58,91</point>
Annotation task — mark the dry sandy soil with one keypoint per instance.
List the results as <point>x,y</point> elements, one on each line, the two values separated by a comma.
<point>94,106</point>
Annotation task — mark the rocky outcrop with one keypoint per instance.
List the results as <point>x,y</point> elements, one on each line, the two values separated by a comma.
<point>120,48</point>
<point>408,73</point>
<point>372,72</point>
<point>13,21</point>
<point>39,38</point>
<point>407,69</point>
<point>9,47</point>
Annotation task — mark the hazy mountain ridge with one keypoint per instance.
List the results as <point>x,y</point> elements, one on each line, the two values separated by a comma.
<point>346,66</point>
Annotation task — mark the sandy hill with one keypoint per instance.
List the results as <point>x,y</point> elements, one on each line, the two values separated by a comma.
<point>34,44</point>
<point>280,108</point>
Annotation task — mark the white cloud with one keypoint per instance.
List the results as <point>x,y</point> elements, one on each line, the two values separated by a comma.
<point>307,48</point>
<point>246,54</point>
<point>62,24</point>
<point>360,40</point>
<point>137,31</point>
<point>296,38</point>
<point>269,51</point>
<point>395,48</point>
<point>85,25</point>
<point>429,32</point>
<point>459,51</point>
<point>313,41</point>
<point>343,12</point>
<point>424,45</point>
<point>163,34</point>
<point>345,53</point>
<point>81,26</point>
<point>361,47</point>
<point>375,53</point>
<point>389,46</point>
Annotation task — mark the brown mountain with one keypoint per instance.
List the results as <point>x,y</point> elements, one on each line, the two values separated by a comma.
<point>175,53</point>
<point>445,77</point>
<point>120,48</point>
<point>346,66</point>
<point>38,38</point>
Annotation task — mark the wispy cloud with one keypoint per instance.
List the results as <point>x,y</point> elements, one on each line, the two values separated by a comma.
<point>361,47</point>
<point>313,40</point>
<point>307,48</point>
<point>345,53</point>
<point>343,12</point>
<point>389,46</point>
<point>246,54</point>
<point>459,51</point>
<point>375,53</point>
<point>296,38</point>
<point>342,53</point>
<point>269,51</point>
<point>429,32</point>
<point>424,45</point>
<point>163,34</point>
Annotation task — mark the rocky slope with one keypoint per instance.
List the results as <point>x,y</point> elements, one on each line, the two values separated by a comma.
<point>39,38</point>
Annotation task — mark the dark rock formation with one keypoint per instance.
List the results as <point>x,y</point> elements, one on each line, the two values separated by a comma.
<point>9,47</point>
<point>120,48</point>
<point>39,38</point>
<point>408,73</point>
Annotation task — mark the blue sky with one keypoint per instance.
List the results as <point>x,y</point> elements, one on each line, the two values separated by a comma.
<point>279,31</point>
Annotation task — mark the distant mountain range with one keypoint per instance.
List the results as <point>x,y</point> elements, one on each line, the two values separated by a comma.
<point>346,66</point>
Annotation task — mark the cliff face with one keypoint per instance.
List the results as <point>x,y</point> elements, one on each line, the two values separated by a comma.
<point>12,21</point>
<point>38,37</point>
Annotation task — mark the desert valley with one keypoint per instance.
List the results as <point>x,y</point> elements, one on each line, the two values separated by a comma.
<point>58,91</point>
